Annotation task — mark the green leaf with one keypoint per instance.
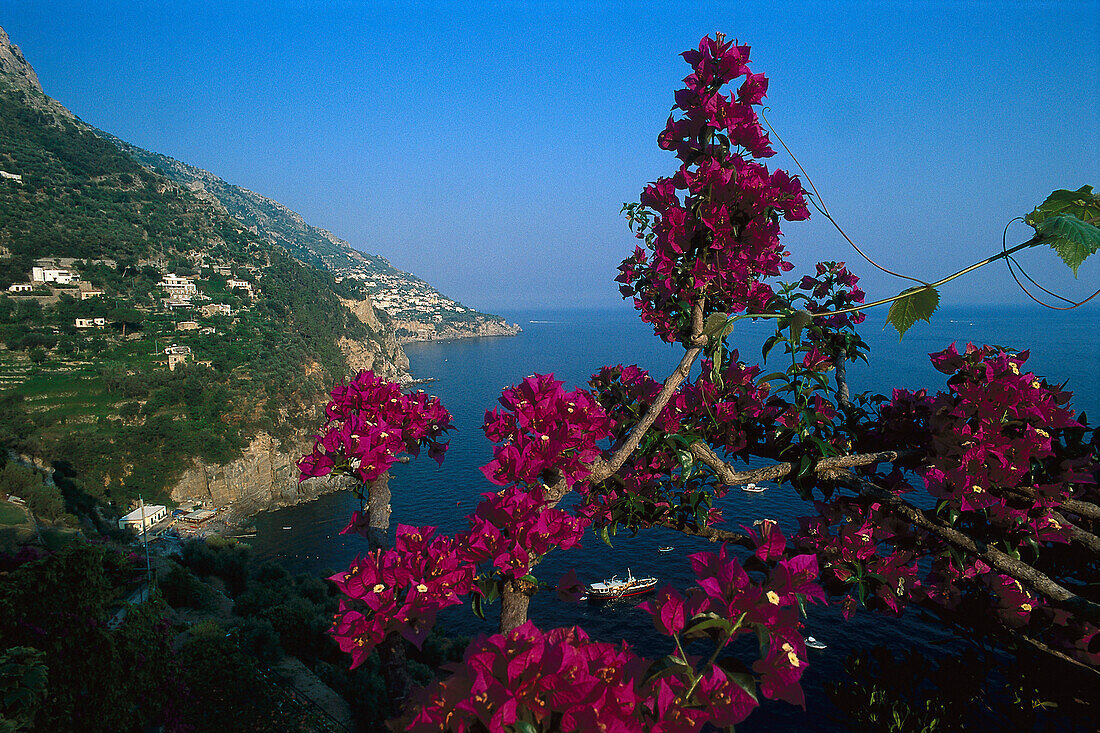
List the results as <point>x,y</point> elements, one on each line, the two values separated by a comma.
<point>746,682</point>
<point>799,320</point>
<point>762,637</point>
<point>769,343</point>
<point>523,726</point>
<point>703,626</point>
<point>1074,240</point>
<point>668,666</point>
<point>476,605</point>
<point>915,304</point>
<point>687,460</point>
<point>715,324</point>
<point>1082,204</point>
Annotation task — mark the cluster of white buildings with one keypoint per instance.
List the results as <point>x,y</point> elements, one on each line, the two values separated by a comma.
<point>177,355</point>
<point>182,289</point>
<point>41,276</point>
<point>406,298</point>
<point>178,287</point>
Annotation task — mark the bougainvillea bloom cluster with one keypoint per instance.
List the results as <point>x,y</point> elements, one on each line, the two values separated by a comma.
<point>399,590</point>
<point>542,430</point>
<point>563,680</point>
<point>513,529</point>
<point>990,427</point>
<point>991,459</point>
<point>731,415</point>
<point>721,239</point>
<point>867,556</point>
<point>833,288</point>
<point>371,423</point>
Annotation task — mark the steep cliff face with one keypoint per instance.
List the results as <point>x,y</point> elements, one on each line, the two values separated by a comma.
<point>263,477</point>
<point>266,474</point>
<point>14,68</point>
<point>381,354</point>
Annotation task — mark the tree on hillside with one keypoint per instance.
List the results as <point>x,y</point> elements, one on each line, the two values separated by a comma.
<point>978,503</point>
<point>126,316</point>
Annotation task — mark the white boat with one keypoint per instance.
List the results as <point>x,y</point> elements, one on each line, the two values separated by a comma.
<point>753,488</point>
<point>666,548</point>
<point>616,587</point>
<point>813,643</point>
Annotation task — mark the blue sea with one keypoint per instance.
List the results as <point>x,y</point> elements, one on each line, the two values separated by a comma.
<point>572,344</point>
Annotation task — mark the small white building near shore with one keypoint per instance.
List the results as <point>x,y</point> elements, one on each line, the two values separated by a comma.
<point>142,518</point>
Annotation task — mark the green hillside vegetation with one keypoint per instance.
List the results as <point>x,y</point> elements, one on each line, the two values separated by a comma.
<point>205,651</point>
<point>312,245</point>
<point>101,401</point>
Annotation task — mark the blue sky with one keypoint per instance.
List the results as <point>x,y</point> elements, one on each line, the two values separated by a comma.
<point>488,148</point>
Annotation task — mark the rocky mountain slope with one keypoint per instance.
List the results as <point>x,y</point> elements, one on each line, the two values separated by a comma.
<point>420,311</point>
<point>170,341</point>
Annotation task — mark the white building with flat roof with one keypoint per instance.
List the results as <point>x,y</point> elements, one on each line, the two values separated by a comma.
<point>144,517</point>
<point>53,275</point>
<point>178,287</point>
<point>177,355</point>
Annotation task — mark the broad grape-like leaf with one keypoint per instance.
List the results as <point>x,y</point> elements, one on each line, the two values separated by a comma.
<point>1067,221</point>
<point>1073,239</point>
<point>915,303</point>
<point>1082,203</point>
<point>717,326</point>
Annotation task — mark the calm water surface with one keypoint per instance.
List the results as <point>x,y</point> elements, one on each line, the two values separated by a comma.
<point>469,377</point>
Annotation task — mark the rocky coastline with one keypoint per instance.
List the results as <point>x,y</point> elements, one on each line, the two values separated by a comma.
<point>481,327</point>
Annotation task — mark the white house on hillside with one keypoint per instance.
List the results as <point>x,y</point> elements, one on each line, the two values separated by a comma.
<point>142,518</point>
<point>178,287</point>
<point>53,275</point>
<point>211,309</point>
<point>177,355</point>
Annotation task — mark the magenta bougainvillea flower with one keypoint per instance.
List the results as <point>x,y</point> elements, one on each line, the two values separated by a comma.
<point>371,423</point>
<point>543,430</point>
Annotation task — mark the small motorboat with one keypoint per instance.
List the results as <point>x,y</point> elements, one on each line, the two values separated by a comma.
<point>616,587</point>
<point>813,643</point>
<point>286,528</point>
<point>666,548</point>
<point>754,488</point>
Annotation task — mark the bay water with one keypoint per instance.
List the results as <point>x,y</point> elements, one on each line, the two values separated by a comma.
<point>468,376</point>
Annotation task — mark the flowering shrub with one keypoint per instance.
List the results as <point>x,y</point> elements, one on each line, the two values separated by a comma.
<point>718,242</point>
<point>399,590</point>
<point>371,422</point>
<point>514,529</point>
<point>992,463</point>
<point>1011,471</point>
<point>561,680</point>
